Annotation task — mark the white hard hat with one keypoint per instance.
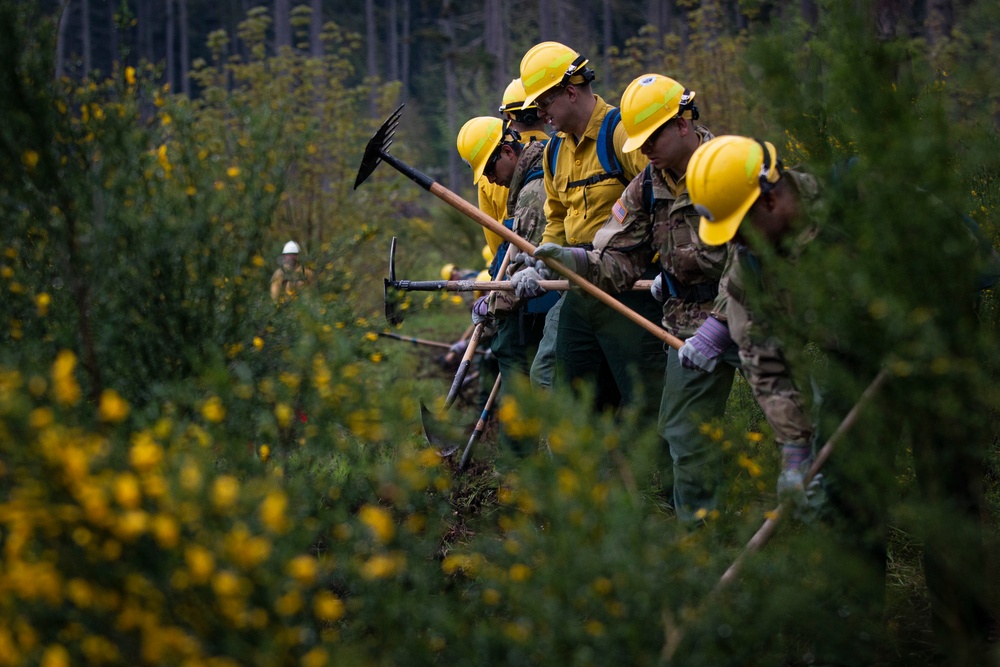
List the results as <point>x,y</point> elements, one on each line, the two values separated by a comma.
<point>291,248</point>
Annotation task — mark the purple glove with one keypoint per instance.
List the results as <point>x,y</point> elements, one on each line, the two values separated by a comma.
<point>795,461</point>
<point>481,310</point>
<point>701,351</point>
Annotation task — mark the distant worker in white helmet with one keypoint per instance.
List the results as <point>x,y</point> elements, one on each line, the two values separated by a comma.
<point>290,277</point>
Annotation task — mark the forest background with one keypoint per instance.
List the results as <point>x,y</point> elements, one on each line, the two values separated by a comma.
<point>192,475</point>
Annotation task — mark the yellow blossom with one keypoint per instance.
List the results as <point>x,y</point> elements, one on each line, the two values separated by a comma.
<point>113,408</point>
<point>213,410</point>
<point>289,603</point>
<point>40,418</point>
<point>379,521</point>
<point>55,656</point>
<point>264,452</point>
<point>371,336</point>
<point>303,569</point>
<point>272,511</point>
<point>42,302</point>
<point>130,75</point>
<point>145,454</point>
<point>200,563</point>
<point>258,342</point>
<point>225,584</point>
<point>283,413</point>
<point>753,436</point>
<point>166,531</point>
<point>225,492</point>
<point>233,172</point>
<point>381,566</point>
<point>328,607</point>
<point>126,490</point>
<point>491,596</point>
<point>750,465</point>
<point>519,572</point>
<point>318,657</point>
<point>29,158</point>
<point>64,384</point>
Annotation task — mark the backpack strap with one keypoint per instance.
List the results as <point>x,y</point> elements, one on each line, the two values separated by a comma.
<point>534,174</point>
<point>552,152</point>
<point>606,153</point>
<point>648,200</point>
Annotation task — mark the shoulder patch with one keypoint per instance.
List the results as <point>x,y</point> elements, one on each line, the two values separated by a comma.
<point>619,211</point>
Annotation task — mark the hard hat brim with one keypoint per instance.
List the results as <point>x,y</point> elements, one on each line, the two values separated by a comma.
<point>722,231</point>
<point>636,142</point>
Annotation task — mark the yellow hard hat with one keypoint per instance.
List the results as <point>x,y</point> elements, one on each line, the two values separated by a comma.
<point>548,65</point>
<point>513,98</point>
<point>477,140</point>
<point>724,178</point>
<point>487,255</point>
<point>446,271</point>
<point>649,102</point>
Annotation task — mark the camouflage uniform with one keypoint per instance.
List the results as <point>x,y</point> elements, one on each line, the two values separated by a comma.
<point>594,343</point>
<point>655,215</point>
<point>761,355</point>
<point>520,323</point>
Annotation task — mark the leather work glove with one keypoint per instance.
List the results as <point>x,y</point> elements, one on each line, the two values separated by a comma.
<point>481,310</point>
<point>526,285</point>
<point>527,261</point>
<point>656,289</point>
<point>574,258</point>
<point>805,501</point>
<point>702,350</point>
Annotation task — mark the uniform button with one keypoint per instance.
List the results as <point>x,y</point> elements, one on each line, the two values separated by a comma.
<point>578,163</point>
<point>572,239</point>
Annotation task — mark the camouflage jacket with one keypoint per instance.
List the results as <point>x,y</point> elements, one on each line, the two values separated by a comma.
<point>645,222</point>
<point>761,355</point>
<point>526,206</point>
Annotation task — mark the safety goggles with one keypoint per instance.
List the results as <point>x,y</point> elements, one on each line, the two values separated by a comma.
<point>544,104</point>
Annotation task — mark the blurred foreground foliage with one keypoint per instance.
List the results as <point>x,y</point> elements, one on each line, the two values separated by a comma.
<point>192,475</point>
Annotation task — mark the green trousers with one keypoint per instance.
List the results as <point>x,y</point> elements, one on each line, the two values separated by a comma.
<point>543,368</point>
<point>599,346</point>
<point>514,346</point>
<point>691,398</point>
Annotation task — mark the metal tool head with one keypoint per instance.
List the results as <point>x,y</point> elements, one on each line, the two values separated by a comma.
<point>390,294</point>
<point>378,146</point>
<point>440,435</point>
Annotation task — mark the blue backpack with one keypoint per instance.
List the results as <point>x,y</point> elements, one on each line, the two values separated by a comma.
<point>606,153</point>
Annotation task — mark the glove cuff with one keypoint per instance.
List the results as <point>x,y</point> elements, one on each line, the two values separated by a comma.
<point>794,455</point>
<point>712,338</point>
<point>692,355</point>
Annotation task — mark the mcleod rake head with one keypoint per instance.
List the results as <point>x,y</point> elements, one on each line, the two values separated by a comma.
<point>378,147</point>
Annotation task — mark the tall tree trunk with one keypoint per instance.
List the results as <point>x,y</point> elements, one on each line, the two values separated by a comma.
<point>185,47</point>
<point>450,91</point>
<point>171,58</point>
<point>939,22</point>
<point>405,59</point>
<point>282,24</point>
<point>606,43</point>
<point>545,20</point>
<point>562,24</point>
<point>144,18</point>
<point>393,42</point>
<point>496,44</point>
<point>88,63</point>
<point>371,37</point>
<point>61,40</point>
<point>316,29</point>
<point>810,12</point>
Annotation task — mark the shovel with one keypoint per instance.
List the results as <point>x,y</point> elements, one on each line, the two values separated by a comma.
<point>377,151</point>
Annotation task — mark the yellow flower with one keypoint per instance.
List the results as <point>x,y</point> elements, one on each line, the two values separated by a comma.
<point>272,511</point>
<point>145,453</point>
<point>379,521</point>
<point>264,452</point>
<point>55,656</point>
<point>42,302</point>
<point>519,572</point>
<point>750,465</point>
<point>130,75</point>
<point>30,158</point>
<point>166,531</point>
<point>289,603</point>
<point>328,607</point>
<point>225,491</point>
<point>233,172</point>
<point>371,336</point>
<point>283,413</point>
<point>491,596</point>
<point>318,657</point>
<point>225,584</point>
<point>200,562</point>
<point>381,566</point>
<point>303,569</point>
<point>39,418</point>
<point>213,410</point>
<point>113,408</point>
<point>258,342</point>
<point>64,384</point>
<point>126,490</point>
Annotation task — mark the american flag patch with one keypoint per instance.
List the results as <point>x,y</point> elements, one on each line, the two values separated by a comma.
<point>619,211</point>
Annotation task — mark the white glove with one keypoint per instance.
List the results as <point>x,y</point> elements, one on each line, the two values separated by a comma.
<point>656,289</point>
<point>526,285</point>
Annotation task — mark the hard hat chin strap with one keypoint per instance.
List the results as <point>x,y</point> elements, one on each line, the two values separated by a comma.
<point>769,174</point>
<point>578,71</point>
